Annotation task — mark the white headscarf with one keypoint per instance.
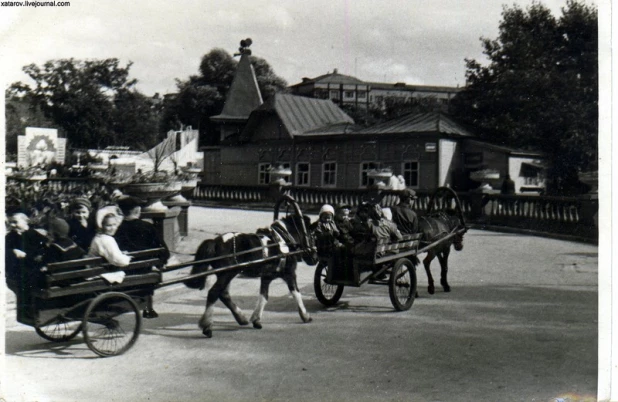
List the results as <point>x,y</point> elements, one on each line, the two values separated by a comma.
<point>108,210</point>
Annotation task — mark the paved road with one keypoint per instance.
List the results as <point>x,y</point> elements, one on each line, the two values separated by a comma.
<point>519,325</point>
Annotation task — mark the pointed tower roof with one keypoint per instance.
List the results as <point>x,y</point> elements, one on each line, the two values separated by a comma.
<point>244,94</point>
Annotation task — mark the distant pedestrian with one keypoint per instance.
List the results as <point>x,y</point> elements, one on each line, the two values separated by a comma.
<point>508,186</point>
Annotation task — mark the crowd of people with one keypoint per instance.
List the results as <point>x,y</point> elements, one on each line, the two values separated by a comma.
<point>44,227</point>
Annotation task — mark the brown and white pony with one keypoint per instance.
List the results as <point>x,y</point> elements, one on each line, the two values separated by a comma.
<point>284,235</point>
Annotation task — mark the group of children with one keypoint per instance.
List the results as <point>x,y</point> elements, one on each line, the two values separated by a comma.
<point>336,231</point>
<point>28,250</point>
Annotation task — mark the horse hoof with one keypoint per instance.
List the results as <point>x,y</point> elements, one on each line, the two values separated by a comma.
<point>447,289</point>
<point>207,333</point>
<point>431,290</point>
<point>307,320</point>
<point>257,325</point>
<point>416,296</point>
<point>243,322</point>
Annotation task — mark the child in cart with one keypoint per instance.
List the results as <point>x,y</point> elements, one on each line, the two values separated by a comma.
<point>326,232</point>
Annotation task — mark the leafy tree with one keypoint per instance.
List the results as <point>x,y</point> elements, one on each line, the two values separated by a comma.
<point>203,96</point>
<point>539,90</point>
<point>94,101</point>
<point>20,114</point>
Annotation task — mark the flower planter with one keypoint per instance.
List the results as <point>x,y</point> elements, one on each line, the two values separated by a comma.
<point>153,193</point>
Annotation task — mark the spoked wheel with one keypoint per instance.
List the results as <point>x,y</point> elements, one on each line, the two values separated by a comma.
<point>111,324</point>
<point>59,329</point>
<point>327,294</point>
<point>402,284</point>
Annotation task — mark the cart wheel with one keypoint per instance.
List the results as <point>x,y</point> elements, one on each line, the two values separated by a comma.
<point>111,324</point>
<point>402,284</point>
<point>327,294</point>
<point>61,329</point>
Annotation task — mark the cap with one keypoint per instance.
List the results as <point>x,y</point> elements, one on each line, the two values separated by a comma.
<point>127,203</point>
<point>407,194</point>
<point>80,202</point>
<point>327,208</point>
<point>59,227</point>
<point>343,206</point>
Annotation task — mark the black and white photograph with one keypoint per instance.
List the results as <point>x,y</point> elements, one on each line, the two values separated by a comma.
<point>406,200</point>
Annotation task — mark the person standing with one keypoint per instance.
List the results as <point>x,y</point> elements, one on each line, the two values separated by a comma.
<point>135,234</point>
<point>403,215</point>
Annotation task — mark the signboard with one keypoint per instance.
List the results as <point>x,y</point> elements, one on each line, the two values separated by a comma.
<point>40,146</point>
<point>430,147</point>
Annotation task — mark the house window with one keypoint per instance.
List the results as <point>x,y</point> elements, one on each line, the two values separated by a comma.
<point>366,167</point>
<point>321,94</point>
<point>362,94</point>
<point>348,94</point>
<point>410,173</point>
<point>302,174</point>
<point>263,175</point>
<point>329,174</point>
<point>334,94</point>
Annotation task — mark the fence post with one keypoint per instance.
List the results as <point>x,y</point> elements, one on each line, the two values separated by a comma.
<point>589,214</point>
<point>477,206</point>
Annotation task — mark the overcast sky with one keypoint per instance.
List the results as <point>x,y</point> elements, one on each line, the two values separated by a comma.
<point>413,41</point>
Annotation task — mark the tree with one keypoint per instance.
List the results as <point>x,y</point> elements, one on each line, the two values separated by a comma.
<point>539,90</point>
<point>94,101</point>
<point>203,96</point>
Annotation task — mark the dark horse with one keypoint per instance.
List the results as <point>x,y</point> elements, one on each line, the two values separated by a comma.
<point>434,227</point>
<point>284,235</point>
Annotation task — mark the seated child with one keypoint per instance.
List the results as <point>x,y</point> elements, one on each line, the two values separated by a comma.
<point>326,232</point>
<point>61,247</point>
<point>104,245</point>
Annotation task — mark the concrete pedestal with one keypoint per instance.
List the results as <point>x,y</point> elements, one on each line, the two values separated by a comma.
<point>166,223</point>
<point>183,216</point>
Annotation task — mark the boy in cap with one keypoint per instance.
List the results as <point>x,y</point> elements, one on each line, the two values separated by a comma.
<point>61,247</point>
<point>135,234</point>
<point>403,215</point>
<point>81,229</point>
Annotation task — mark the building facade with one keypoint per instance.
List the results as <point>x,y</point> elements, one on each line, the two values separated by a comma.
<point>346,90</point>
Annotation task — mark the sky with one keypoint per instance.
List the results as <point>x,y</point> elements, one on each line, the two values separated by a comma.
<point>422,42</point>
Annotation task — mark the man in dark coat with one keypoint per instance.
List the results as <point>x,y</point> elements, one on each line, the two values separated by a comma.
<point>134,234</point>
<point>403,215</point>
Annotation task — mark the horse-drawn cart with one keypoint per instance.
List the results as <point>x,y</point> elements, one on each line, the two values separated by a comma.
<point>387,263</point>
<point>80,296</point>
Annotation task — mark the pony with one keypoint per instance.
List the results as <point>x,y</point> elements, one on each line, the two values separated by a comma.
<point>434,227</point>
<point>275,242</point>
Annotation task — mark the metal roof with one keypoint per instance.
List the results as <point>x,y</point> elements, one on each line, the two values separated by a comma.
<point>244,94</point>
<point>433,122</point>
<point>331,78</point>
<point>300,114</point>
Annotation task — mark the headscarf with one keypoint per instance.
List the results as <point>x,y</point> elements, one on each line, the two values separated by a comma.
<point>108,210</point>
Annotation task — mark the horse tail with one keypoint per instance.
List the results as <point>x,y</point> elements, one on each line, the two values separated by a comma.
<point>206,250</point>
<point>414,260</point>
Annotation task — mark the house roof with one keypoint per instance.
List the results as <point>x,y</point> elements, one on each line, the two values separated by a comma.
<point>432,122</point>
<point>333,77</point>
<point>415,88</point>
<point>244,94</point>
<point>501,148</point>
<point>300,114</point>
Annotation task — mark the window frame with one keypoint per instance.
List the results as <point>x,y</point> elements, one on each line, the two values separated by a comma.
<point>407,176</point>
<point>334,174</point>
<point>365,181</point>
<point>306,173</point>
